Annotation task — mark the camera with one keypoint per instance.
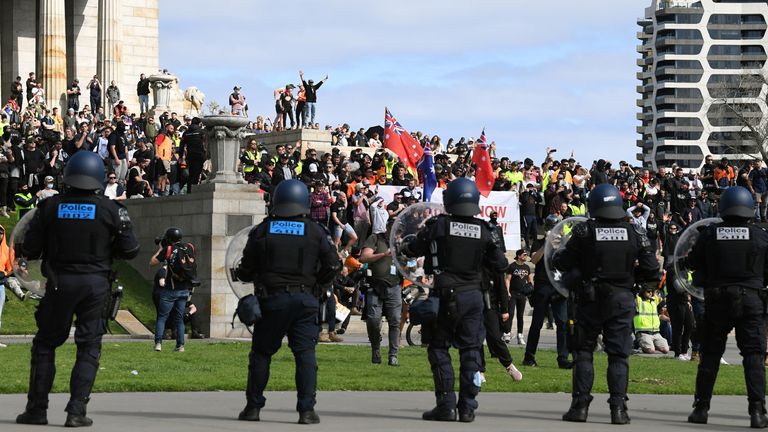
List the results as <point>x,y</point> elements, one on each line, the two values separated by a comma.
<point>162,241</point>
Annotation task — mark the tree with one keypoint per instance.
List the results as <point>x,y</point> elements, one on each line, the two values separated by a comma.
<point>213,107</point>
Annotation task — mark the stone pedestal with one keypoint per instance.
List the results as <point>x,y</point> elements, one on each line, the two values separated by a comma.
<point>319,140</point>
<point>162,85</point>
<point>225,136</point>
<point>209,218</point>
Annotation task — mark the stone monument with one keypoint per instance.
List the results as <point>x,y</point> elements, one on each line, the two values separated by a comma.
<point>209,217</point>
<point>162,85</point>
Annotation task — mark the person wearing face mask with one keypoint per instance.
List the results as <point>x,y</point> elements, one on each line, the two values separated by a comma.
<point>48,190</point>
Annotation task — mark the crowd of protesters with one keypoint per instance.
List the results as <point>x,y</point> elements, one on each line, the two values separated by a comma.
<point>148,157</point>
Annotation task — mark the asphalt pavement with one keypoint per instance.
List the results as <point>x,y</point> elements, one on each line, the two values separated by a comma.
<point>374,412</point>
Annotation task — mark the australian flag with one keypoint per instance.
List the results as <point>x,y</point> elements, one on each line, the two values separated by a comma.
<point>426,168</point>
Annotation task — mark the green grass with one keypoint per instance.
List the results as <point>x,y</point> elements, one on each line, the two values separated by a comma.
<point>19,317</point>
<point>209,366</point>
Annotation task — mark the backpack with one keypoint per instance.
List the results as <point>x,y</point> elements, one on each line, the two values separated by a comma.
<point>182,265</point>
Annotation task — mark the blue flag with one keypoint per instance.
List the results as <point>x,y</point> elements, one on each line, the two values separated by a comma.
<point>427,169</point>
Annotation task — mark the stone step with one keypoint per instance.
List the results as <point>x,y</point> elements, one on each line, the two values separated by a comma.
<point>132,325</point>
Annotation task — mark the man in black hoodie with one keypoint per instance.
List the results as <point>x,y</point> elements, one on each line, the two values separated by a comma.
<point>193,152</point>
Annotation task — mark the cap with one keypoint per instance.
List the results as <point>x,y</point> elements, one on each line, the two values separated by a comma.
<point>520,252</point>
<point>290,86</point>
<point>236,88</point>
<point>48,179</point>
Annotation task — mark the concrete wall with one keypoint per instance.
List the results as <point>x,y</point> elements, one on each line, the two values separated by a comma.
<point>18,42</point>
<point>208,218</point>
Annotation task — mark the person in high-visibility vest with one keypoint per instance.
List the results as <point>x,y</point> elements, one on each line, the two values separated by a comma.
<point>647,323</point>
<point>250,160</point>
<point>24,200</point>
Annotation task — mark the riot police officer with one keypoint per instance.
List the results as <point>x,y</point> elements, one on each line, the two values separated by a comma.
<point>455,247</point>
<point>599,269</point>
<point>77,234</point>
<point>729,261</point>
<point>289,258</point>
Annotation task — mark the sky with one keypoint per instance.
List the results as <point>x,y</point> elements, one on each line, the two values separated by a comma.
<point>556,73</point>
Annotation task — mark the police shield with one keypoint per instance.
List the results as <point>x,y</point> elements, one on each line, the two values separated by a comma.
<point>555,242</point>
<point>27,273</point>
<point>232,259</point>
<point>407,224</point>
<point>684,279</point>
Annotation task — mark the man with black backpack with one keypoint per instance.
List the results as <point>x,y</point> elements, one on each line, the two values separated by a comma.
<point>180,266</point>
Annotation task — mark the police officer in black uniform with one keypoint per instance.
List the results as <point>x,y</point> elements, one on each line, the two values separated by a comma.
<point>600,270</point>
<point>77,234</point>
<point>729,260</point>
<point>291,260</point>
<point>455,246</point>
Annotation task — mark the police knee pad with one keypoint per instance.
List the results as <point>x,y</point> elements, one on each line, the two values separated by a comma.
<point>470,359</point>
<point>89,353</point>
<point>438,356</point>
<point>582,356</point>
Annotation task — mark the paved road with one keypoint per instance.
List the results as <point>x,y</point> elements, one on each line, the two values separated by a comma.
<point>373,412</point>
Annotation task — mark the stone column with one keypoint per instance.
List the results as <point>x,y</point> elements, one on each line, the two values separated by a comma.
<point>161,84</point>
<point>52,52</point>
<point>109,53</point>
<point>225,133</point>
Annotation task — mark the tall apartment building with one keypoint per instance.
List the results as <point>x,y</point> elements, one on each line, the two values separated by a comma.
<point>702,64</point>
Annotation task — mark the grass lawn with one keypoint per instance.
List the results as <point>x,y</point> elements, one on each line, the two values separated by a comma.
<point>207,366</point>
<point>19,317</point>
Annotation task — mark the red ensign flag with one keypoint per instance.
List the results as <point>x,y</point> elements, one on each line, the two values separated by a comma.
<point>397,139</point>
<point>484,172</point>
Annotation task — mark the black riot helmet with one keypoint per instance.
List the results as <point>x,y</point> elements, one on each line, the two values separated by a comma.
<point>291,198</point>
<point>737,202</point>
<point>173,235</point>
<point>85,170</point>
<point>605,202</point>
<point>461,198</point>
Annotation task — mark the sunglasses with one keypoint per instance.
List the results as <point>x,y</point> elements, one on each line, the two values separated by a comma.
<point>113,178</point>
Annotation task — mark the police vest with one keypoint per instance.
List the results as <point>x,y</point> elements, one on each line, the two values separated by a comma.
<point>389,166</point>
<point>458,246</point>
<point>23,203</point>
<point>616,248</point>
<point>288,250</point>
<point>647,318</point>
<point>78,230</point>
<point>737,253</point>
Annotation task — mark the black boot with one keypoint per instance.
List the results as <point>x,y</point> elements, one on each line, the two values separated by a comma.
<point>619,414</point>
<point>376,355</point>
<point>466,416</point>
<point>757,418</point>
<point>699,415</point>
<point>33,417</point>
<point>578,411</point>
<point>249,414</point>
<point>309,417</point>
<point>439,414</point>
<point>77,420</point>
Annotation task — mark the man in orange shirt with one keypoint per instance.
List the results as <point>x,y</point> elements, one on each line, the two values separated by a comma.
<point>163,156</point>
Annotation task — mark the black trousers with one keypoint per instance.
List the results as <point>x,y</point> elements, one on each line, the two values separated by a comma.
<point>295,316</point>
<point>459,324</point>
<point>493,333</point>
<point>81,295</point>
<point>681,319</point>
<point>611,314</point>
<point>195,166</point>
<point>544,296</point>
<point>727,308</point>
<point>516,310</point>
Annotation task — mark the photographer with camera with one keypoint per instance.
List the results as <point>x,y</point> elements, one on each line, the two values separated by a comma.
<point>180,279</point>
<point>384,298</point>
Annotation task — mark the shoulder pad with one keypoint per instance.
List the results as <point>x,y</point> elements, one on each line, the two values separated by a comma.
<point>581,230</point>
